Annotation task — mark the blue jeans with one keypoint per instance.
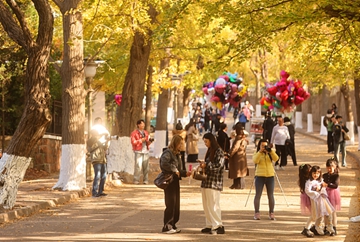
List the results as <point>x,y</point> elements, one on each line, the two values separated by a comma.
<point>100,174</point>
<point>340,147</point>
<point>141,166</point>
<point>269,182</point>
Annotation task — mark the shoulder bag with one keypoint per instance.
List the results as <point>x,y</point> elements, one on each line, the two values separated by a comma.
<point>346,136</point>
<point>163,180</point>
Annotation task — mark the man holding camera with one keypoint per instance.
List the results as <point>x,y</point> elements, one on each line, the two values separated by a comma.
<point>140,142</point>
<point>279,136</point>
<point>339,129</point>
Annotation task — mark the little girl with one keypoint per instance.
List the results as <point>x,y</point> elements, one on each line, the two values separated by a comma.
<point>332,179</point>
<point>320,205</point>
<point>305,204</point>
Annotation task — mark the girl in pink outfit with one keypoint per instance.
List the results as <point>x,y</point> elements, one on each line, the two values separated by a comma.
<point>305,203</point>
<point>332,179</point>
<point>321,207</point>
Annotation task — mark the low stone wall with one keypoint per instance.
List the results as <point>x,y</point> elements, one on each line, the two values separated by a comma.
<point>47,154</point>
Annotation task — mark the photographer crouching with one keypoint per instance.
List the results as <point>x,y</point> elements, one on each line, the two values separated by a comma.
<point>97,147</point>
<point>264,175</point>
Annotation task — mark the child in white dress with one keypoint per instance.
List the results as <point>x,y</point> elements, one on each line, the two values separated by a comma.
<point>321,208</point>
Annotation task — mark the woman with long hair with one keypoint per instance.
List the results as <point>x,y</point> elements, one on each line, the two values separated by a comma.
<point>170,163</point>
<point>212,186</point>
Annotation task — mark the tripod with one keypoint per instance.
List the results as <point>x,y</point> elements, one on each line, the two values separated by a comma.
<point>277,178</point>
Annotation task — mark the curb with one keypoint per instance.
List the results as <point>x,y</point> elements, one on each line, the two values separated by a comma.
<point>27,211</point>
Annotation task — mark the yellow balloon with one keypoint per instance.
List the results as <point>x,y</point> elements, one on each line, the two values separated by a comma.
<point>267,103</point>
<point>219,105</point>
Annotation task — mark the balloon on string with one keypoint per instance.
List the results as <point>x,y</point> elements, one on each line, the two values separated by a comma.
<point>118,99</point>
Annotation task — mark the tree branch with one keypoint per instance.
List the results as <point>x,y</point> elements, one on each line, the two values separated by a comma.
<point>10,26</point>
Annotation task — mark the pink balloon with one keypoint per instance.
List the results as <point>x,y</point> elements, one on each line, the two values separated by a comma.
<point>278,96</point>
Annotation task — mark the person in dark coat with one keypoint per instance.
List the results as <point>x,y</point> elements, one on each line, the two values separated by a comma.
<point>268,126</point>
<point>290,147</point>
<point>238,168</point>
<point>339,129</point>
<point>224,141</point>
<point>328,123</point>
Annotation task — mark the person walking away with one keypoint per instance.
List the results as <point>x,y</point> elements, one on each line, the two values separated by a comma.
<point>290,147</point>
<point>140,144</point>
<point>334,109</point>
<point>264,176</point>
<point>305,203</point>
<point>279,136</point>
<point>182,132</point>
<point>224,142</point>
<point>328,123</point>
<point>235,114</point>
<point>332,180</point>
<point>238,168</point>
<point>170,163</point>
<point>97,147</point>
<point>213,185</point>
<point>192,137</point>
<point>321,208</point>
<point>242,117</point>
<point>268,126</point>
<point>339,129</point>
<point>250,108</point>
<point>207,117</point>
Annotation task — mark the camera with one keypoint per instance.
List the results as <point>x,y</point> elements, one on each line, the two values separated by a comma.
<point>151,139</point>
<point>113,137</point>
<point>267,148</point>
<point>227,155</point>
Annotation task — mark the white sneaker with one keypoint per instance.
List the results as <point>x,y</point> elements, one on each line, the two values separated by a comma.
<point>282,168</point>
<point>277,167</point>
<point>171,231</point>
<point>319,230</point>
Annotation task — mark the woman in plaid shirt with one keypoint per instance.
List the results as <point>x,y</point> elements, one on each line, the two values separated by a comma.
<point>213,185</point>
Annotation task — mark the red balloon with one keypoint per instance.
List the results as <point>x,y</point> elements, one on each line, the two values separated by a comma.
<point>298,100</point>
<point>272,90</point>
<point>284,95</point>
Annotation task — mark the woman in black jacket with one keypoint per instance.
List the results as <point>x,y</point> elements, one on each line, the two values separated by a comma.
<point>224,141</point>
<point>170,163</point>
<point>290,146</point>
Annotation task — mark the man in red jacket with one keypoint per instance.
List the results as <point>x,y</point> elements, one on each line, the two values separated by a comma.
<point>140,143</point>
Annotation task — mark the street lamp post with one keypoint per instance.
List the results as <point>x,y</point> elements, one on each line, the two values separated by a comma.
<point>90,72</point>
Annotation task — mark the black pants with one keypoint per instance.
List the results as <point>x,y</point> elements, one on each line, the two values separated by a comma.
<point>281,152</point>
<point>291,151</point>
<point>330,142</point>
<point>172,203</point>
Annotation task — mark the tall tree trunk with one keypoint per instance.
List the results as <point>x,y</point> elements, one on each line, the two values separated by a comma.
<point>357,102</point>
<point>186,100</point>
<point>121,156</point>
<point>73,150</point>
<point>345,90</point>
<point>36,115</point>
<point>148,107</point>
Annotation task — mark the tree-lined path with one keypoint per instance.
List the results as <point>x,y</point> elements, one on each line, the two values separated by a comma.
<point>135,213</point>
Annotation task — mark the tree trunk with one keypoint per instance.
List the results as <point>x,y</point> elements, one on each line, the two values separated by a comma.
<point>36,115</point>
<point>73,150</point>
<point>148,108</point>
<point>345,90</point>
<point>121,156</point>
<point>186,100</point>
<point>357,103</point>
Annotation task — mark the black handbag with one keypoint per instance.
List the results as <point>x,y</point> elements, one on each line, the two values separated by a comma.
<point>199,175</point>
<point>163,180</point>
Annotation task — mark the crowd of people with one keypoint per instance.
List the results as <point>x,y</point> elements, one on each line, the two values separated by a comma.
<point>320,195</point>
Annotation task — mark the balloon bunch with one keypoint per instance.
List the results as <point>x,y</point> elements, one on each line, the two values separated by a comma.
<point>284,95</point>
<point>118,99</point>
<point>227,88</point>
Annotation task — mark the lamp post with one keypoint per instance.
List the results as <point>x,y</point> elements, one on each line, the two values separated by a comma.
<point>90,72</point>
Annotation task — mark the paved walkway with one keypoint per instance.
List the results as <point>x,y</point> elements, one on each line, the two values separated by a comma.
<point>134,213</point>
